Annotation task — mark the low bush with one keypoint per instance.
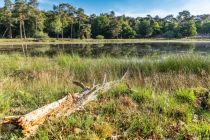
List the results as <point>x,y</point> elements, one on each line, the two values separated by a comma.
<point>41,35</point>
<point>99,37</point>
<point>185,96</point>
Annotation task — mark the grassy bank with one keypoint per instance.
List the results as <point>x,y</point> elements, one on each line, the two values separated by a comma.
<point>97,41</point>
<point>167,98</point>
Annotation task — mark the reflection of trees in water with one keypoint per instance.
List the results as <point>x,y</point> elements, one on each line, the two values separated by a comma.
<point>114,50</point>
<point>131,51</point>
<point>86,51</point>
<point>192,48</point>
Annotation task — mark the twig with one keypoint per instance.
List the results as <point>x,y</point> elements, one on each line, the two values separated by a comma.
<point>80,84</point>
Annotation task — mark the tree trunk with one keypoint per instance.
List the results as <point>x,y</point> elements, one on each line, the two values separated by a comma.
<point>62,33</point>
<point>79,29</point>
<point>62,30</point>
<point>21,32</point>
<point>5,32</point>
<point>24,31</point>
<point>10,31</point>
<point>71,31</point>
<point>71,103</point>
<point>36,25</point>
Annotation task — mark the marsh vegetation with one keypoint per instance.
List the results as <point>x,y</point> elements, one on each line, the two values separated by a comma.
<point>163,96</point>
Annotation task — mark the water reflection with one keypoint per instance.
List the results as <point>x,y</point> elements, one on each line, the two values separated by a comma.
<point>114,50</point>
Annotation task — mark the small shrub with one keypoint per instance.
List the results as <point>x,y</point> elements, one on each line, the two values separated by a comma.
<point>134,128</point>
<point>99,37</point>
<point>169,34</point>
<point>141,127</point>
<point>142,95</point>
<point>185,96</point>
<point>104,130</point>
<point>180,112</point>
<point>110,109</point>
<point>120,89</point>
<point>161,103</point>
<point>201,130</point>
<point>200,91</point>
<point>85,121</point>
<point>202,96</point>
<point>73,121</point>
<point>41,35</point>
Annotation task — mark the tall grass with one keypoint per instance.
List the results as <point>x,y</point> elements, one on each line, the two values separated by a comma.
<point>96,41</point>
<point>159,101</point>
<point>189,63</point>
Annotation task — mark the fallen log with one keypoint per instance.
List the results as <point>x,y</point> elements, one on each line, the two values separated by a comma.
<point>71,103</point>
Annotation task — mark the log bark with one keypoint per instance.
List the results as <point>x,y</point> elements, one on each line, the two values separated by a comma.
<point>71,103</point>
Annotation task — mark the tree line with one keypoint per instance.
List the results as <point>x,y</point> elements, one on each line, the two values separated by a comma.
<point>23,19</point>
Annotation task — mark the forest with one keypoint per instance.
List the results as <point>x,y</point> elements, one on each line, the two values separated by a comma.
<point>23,19</point>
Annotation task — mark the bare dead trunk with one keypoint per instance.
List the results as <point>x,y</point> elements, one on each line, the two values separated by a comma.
<point>62,30</point>
<point>10,31</point>
<point>21,32</point>
<point>71,31</point>
<point>24,31</point>
<point>5,33</point>
<point>71,103</point>
<point>62,33</point>
<point>36,25</point>
<point>79,30</point>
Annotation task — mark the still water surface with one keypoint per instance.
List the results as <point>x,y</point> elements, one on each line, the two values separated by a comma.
<point>113,50</point>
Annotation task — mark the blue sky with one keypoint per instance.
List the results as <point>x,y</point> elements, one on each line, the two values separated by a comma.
<point>134,7</point>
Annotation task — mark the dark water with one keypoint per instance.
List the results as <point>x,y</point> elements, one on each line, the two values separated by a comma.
<point>113,50</point>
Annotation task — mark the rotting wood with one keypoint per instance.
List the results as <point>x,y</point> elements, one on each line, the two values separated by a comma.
<point>71,103</point>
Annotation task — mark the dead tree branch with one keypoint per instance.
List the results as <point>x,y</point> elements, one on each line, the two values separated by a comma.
<point>71,103</point>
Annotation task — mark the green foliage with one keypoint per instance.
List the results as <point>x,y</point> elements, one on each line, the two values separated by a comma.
<point>114,28</point>
<point>109,109</point>
<point>8,4</point>
<point>41,35</point>
<point>143,126</point>
<point>188,29</point>
<point>142,96</point>
<point>185,96</point>
<point>127,31</point>
<point>85,31</point>
<point>180,112</point>
<point>169,34</point>
<point>205,28</point>
<point>184,16</point>
<point>100,26</point>
<point>117,91</point>
<point>99,37</point>
<point>56,25</point>
<point>145,28</point>
<point>156,28</point>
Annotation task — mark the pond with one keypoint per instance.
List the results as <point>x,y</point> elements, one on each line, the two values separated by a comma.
<point>113,50</point>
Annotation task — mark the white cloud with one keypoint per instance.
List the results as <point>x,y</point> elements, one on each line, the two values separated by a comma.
<point>196,7</point>
<point>159,12</point>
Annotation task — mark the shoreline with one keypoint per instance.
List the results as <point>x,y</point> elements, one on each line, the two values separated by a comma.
<point>32,41</point>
